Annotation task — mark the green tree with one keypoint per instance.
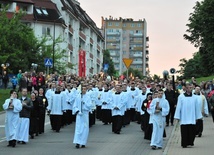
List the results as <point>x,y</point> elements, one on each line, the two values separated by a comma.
<point>200,33</point>
<point>134,73</point>
<point>16,42</point>
<point>192,67</point>
<point>107,60</point>
<point>20,47</point>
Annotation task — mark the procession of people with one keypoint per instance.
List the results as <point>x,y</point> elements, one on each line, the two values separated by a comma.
<point>116,102</point>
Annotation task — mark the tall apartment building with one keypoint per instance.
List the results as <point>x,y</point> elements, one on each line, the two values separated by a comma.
<point>126,38</point>
<point>64,18</point>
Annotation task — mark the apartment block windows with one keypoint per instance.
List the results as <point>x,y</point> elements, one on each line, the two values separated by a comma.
<point>110,24</point>
<point>116,24</point>
<point>139,25</point>
<point>46,31</point>
<point>131,32</point>
<point>132,25</point>
<point>124,25</point>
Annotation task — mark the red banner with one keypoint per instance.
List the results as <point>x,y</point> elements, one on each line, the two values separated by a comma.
<point>82,63</point>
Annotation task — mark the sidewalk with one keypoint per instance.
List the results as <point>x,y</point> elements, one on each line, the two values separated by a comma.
<point>202,145</point>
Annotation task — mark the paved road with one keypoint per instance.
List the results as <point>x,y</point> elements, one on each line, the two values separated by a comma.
<point>101,141</point>
<point>202,145</point>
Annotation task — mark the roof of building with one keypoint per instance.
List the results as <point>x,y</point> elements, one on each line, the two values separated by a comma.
<point>21,1</point>
<point>80,14</point>
<point>46,10</point>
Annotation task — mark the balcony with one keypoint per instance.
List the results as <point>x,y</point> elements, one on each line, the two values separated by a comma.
<point>147,38</point>
<point>136,48</point>
<point>70,29</point>
<point>111,47</point>
<point>147,65</point>
<point>136,35</point>
<point>137,62</point>
<point>82,35</point>
<point>136,42</point>
<point>98,61</point>
<point>91,41</point>
<point>116,61</point>
<point>147,45</point>
<point>70,47</point>
<point>138,55</point>
<point>113,33</point>
<point>98,47</point>
<point>112,40</point>
<point>147,59</point>
<point>147,51</point>
<point>91,55</point>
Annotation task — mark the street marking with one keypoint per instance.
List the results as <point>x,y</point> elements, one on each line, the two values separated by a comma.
<point>2,139</point>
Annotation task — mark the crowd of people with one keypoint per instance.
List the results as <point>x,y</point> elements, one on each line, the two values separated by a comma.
<point>151,103</point>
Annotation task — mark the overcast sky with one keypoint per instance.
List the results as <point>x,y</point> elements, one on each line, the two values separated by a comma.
<point>166,24</point>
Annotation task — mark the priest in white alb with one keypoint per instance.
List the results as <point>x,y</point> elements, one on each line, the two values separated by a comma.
<point>12,106</point>
<point>82,106</point>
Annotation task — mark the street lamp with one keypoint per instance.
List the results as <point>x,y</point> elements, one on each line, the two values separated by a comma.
<point>60,17</point>
<point>4,67</point>
<point>34,66</point>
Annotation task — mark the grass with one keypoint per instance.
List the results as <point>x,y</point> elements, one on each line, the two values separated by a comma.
<point>4,94</point>
<point>209,78</point>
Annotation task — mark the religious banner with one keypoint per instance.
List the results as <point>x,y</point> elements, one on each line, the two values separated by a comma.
<point>82,63</point>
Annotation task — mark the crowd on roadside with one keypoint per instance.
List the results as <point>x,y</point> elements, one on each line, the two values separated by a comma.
<point>85,100</point>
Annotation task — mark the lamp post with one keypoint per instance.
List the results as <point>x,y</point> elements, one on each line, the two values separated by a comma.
<point>60,17</point>
<point>34,66</point>
<point>4,67</point>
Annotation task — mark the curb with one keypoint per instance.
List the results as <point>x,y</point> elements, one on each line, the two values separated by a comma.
<point>170,139</point>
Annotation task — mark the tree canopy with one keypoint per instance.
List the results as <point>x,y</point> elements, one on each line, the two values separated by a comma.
<point>200,33</point>
<point>107,60</point>
<point>20,48</point>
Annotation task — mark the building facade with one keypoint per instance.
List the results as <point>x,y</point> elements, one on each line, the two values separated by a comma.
<point>67,20</point>
<point>126,38</point>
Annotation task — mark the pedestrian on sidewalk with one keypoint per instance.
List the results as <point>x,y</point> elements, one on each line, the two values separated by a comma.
<point>187,112</point>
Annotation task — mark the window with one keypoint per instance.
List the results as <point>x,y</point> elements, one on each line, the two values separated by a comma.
<point>110,30</point>
<point>44,11</point>
<point>46,31</point>
<point>38,11</point>
<point>109,24</point>
<point>131,32</point>
<point>116,24</point>
<point>132,24</point>
<point>139,25</point>
<point>124,25</point>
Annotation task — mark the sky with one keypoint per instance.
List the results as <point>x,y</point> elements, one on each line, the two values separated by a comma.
<point>166,25</point>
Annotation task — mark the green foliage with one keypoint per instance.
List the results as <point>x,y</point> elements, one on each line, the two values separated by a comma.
<point>16,41</point>
<point>200,33</point>
<point>107,60</point>
<point>156,77</point>
<point>20,48</point>
<point>134,72</point>
<point>4,94</point>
